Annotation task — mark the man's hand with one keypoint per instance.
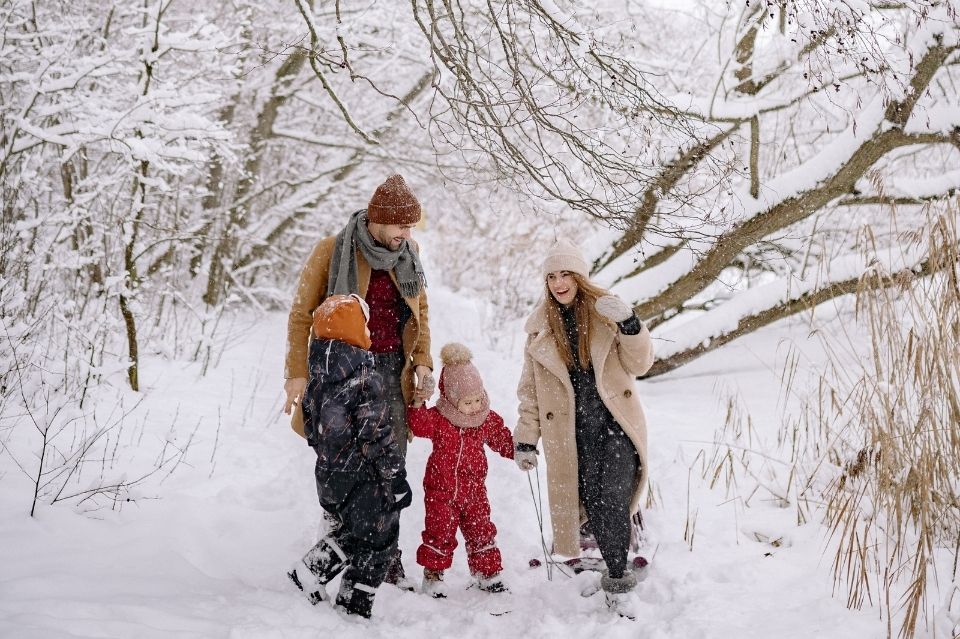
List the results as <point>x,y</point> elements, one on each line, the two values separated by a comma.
<point>425,383</point>
<point>294,388</point>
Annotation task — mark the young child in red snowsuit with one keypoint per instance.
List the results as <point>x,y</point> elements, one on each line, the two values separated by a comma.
<point>454,492</point>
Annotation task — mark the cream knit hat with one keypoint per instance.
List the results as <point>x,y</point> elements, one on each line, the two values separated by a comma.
<point>564,255</point>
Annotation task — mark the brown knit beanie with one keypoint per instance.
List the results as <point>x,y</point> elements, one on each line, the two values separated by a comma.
<point>564,255</point>
<point>393,203</point>
<point>459,378</point>
<point>344,318</point>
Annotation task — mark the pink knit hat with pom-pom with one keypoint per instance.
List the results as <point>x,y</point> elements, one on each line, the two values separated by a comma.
<point>459,378</point>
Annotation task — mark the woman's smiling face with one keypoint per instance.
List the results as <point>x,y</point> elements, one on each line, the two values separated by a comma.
<point>562,286</point>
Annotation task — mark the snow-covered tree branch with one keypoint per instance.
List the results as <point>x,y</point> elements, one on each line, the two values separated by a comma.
<point>885,125</point>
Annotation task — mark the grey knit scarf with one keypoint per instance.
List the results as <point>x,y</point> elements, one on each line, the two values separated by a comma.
<point>404,262</point>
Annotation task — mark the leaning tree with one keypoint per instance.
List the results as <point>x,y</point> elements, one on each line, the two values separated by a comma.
<point>740,154</point>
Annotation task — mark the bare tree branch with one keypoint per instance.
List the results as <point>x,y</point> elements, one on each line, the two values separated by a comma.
<point>307,14</point>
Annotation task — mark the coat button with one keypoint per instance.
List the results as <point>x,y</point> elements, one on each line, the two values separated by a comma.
<point>549,415</point>
<point>627,393</point>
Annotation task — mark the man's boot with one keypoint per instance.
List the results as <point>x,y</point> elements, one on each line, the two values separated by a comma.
<point>396,575</point>
<point>321,564</point>
<point>355,598</point>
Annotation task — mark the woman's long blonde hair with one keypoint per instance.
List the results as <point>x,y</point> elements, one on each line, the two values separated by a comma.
<point>587,294</point>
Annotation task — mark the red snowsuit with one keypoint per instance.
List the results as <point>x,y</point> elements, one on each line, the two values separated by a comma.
<point>454,491</point>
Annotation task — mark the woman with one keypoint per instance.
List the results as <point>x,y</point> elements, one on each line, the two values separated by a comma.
<point>584,349</point>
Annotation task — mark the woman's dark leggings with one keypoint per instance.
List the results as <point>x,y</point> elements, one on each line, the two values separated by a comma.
<point>607,472</point>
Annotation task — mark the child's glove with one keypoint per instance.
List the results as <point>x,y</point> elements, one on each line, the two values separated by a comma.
<point>526,459</point>
<point>614,308</point>
<point>402,494</point>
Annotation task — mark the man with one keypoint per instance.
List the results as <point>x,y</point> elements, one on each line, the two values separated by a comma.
<point>374,257</point>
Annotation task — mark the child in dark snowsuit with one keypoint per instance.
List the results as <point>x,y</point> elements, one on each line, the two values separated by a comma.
<point>454,492</point>
<point>360,474</point>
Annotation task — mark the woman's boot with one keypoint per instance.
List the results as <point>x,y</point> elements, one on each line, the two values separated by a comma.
<point>618,593</point>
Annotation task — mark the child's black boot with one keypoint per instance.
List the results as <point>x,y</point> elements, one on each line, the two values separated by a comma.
<point>321,564</point>
<point>356,598</point>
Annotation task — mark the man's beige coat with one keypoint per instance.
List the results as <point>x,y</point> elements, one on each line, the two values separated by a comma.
<point>547,411</point>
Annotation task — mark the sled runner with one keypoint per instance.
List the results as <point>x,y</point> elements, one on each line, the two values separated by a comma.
<point>580,564</point>
<point>577,565</point>
<point>588,545</point>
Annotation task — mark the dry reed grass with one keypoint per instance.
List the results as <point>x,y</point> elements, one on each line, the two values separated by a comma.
<point>874,452</point>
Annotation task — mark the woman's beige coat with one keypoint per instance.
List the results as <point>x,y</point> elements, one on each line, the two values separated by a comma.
<point>547,411</point>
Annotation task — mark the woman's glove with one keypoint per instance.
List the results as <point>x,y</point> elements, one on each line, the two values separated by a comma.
<point>614,308</point>
<point>526,459</point>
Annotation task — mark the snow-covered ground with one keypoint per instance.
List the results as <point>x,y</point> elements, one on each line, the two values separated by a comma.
<point>207,559</point>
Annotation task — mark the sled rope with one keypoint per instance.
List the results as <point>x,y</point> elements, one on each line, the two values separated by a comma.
<point>538,510</point>
<point>548,561</point>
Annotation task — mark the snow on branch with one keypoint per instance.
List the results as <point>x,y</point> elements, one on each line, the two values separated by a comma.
<point>760,306</point>
<point>910,191</point>
<point>791,197</point>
